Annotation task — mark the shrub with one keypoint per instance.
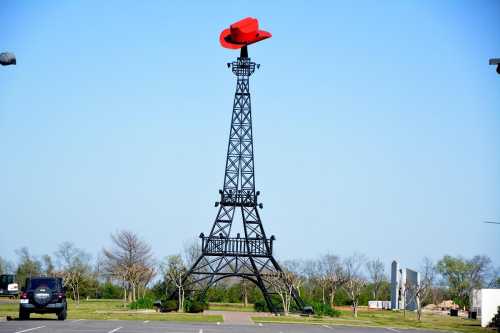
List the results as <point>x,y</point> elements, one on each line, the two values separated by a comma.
<point>110,291</point>
<point>171,305</point>
<point>194,306</point>
<point>321,309</point>
<point>141,303</point>
<point>260,305</point>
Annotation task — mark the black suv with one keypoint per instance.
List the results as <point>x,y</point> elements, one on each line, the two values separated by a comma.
<point>43,295</point>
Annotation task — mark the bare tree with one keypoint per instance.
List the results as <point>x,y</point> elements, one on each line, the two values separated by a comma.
<point>48,265</point>
<point>355,281</point>
<point>480,269</point>
<point>192,251</point>
<point>147,275</point>
<point>28,265</point>
<point>244,292</point>
<point>285,282</point>
<point>173,269</point>
<point>75,267</point>
<point>6,266</point>
<point>333,274</point>
<point>494,281</point>
<point>130,260</point>
<point>377,276</point>
<point>322,279</point>
<point>421,290</point>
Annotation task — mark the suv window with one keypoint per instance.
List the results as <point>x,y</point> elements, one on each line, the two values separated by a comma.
<point>6,279</point>
<point>48,283</point>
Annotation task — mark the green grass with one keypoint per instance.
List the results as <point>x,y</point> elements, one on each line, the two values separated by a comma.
<point>231,307</point>
<point>387,319</point>
<point>110,309</point>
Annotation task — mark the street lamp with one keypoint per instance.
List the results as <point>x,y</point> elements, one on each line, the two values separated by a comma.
<point>496,61</point>
<point>7,58</point>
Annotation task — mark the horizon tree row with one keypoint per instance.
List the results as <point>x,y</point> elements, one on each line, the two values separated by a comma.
<point>128,270</point>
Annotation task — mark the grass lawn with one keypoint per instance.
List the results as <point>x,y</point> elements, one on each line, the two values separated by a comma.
<point>110,309</point>
<point>387,319</point>
<point>231,307</point>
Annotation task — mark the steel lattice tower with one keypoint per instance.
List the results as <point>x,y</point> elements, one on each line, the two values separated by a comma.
<point>251,255</point>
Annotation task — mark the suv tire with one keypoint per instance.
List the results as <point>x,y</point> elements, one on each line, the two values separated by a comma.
<point>61,315</point>
<point>24,315</point>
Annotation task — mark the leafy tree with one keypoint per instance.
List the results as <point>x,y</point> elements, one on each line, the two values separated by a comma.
<point>109,290</point>
<point>463,275</point>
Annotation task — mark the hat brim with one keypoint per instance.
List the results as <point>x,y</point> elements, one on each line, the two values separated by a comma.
<point>228,43</point>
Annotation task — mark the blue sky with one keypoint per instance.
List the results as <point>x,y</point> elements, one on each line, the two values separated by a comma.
<point>376,124</point>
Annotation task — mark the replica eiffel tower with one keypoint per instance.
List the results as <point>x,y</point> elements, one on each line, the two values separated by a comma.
<point>249,256</point>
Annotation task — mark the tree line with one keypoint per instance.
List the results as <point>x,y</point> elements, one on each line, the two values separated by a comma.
<point>127,269</point>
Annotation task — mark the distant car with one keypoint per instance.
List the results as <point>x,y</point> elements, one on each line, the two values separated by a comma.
<point>8,285</point>
<point>43,295</point>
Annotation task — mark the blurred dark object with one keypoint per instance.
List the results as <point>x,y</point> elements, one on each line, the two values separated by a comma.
<point>496,320</point>
<point>473,315</point>
<point>307,310</point>
<point>165,306</point>
<point>496,61</point>
<point>7,58</point>
<point>157,306</point>
<point>453,312</point>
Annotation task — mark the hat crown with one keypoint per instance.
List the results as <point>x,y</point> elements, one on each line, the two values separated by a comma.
<point>242,33</point>
<point>244,30</point>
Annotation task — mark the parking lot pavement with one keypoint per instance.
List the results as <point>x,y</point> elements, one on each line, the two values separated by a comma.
<point>118,326</point>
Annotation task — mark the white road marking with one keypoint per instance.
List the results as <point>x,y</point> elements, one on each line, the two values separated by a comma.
<point>30,329</point>
<point>326,326</point>
<point>218,323</point>
<point>116,329</point>
<point>392,329</point>
<point>201,330</point>
<point>146,321</point>
<point>260,324</point>
<point>77,320</point>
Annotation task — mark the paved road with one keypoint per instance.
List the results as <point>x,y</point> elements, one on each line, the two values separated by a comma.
<point>117,326</point>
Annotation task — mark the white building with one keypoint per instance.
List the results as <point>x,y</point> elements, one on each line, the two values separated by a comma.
<point>486,303</point>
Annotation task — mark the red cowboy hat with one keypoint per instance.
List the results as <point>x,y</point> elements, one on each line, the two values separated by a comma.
<point>241,33</point>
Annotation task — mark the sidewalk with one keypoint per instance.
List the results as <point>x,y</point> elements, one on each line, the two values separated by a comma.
<point>235,317</point>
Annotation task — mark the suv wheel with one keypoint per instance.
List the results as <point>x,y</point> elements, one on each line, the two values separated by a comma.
<point>24,315</point>
<point>61,315</point>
